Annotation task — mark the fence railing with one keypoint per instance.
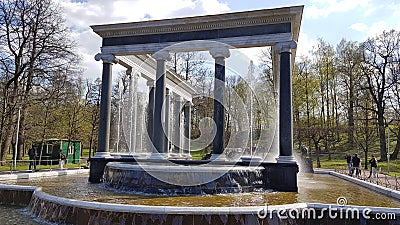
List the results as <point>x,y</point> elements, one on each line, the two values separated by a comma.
<point>392,182</point>
<point>13,166</point>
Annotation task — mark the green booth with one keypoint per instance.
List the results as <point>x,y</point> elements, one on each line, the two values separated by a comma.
<point>51,150</point>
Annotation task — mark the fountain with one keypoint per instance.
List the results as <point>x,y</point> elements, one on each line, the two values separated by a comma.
<point>168,147</point>
<point>158,161</point>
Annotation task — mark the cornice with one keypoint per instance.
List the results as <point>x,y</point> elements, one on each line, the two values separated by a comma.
<point>210,22</point>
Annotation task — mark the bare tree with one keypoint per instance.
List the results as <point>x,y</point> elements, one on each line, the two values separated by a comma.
<point>187,64</point>
<point>93,108</point>
<point>378,59</point>
<point>348,59</point>
<point>35,43</point>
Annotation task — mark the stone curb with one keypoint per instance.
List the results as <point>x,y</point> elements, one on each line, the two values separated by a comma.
<point>52,173</point>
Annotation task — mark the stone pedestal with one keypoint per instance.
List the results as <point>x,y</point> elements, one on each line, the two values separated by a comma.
<point>281,176</point>
<point>97,166</point>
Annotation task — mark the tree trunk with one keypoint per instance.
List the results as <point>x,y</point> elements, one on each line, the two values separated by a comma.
<point>318,151</point>
<point>5,146</point>
<point>350,111</point>
<point>366,157</point>
<point>395,153</point>
<point>382,136</point>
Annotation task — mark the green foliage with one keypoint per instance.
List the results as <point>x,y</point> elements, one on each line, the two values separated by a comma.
<point>339,162</point>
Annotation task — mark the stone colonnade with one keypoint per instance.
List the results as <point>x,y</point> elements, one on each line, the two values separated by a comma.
<point>160,101</point>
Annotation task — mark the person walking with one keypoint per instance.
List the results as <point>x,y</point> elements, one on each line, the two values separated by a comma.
<point>61,160</point>
<point>32,158</point>
<point>349,164</point>
<point>374,164</point>
<point>356,164</point>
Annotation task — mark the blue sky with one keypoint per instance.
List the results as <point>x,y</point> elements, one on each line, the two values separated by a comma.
<point>330,20</point>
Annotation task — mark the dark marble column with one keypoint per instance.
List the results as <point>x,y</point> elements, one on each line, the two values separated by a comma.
<point>219,54</point>
<point>186,144</point>
<point>150,109</point>
<point>285,103</point>
<point>98,162</point>
<point>177,125</point>
<point>158,131</point>
<point>105,105</point>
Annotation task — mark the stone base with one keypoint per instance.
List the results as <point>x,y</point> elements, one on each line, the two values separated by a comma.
<point>97,166</point>
<point>162,179</point>
<point>281,176</point>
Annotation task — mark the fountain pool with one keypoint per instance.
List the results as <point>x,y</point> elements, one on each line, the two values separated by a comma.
<point>313,188</point>
<point>92,203</point>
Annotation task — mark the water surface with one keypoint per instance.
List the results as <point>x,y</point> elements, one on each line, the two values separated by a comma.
<point>313,188</point>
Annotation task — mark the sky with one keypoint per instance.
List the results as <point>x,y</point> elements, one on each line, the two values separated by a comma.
<point>330,20</point>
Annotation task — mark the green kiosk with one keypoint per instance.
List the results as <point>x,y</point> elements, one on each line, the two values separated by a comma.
<point>71,149</point>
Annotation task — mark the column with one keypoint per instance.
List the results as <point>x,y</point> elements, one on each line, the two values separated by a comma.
<point>166,120</point>
<point>158,132</point>
<point>186,144</point>
<point>105,105</point>
<point>150,110</point>
<point>99,161</point>
<point>219,54</point>
<point>177,124</point>
<point>285,103</point>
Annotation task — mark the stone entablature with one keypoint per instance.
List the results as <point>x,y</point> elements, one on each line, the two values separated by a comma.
<point>256,28</point>
<point>209,22</point>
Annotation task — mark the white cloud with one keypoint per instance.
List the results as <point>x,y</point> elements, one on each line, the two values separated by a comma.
<point>304,45</point>
<point>80,15</point>
<point>377,28</point>
<point>213,6</point>
<point>323,8</point>
<point>359,27</point>
<point>396,9</point>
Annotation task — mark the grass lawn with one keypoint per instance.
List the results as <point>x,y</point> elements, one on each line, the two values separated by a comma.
<point>24,163</point>
<point>197,154</point>
<point>337,162</point>
<point>340,163</point>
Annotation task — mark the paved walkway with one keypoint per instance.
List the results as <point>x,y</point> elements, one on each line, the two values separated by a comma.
<point>384,180</point>
<point>383,184</point>
<point>26,174</point>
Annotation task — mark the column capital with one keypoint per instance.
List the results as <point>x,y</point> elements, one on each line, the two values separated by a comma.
<point>129,71</point>
<point>285,46</point>
<point>107,58</point>
<point>162,55</point>
<point>220,52</point>
<point>188,103</point>
<point>150,83</point>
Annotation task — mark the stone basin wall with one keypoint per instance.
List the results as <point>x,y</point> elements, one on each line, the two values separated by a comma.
<point>16,195</point>
<point>66,211</point>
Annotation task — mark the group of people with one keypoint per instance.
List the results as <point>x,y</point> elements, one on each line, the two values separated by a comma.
<point>354,164</point>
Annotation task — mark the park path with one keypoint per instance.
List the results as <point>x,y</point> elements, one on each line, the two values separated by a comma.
<point>384,180</point>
